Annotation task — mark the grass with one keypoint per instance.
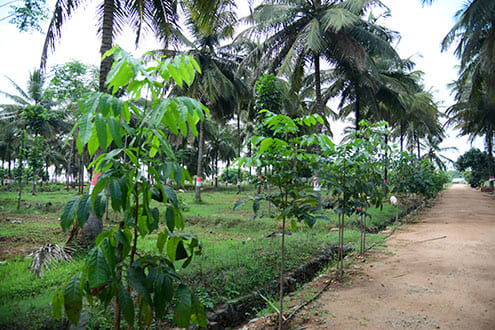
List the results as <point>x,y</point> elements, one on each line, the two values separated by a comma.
<point>238,254</point>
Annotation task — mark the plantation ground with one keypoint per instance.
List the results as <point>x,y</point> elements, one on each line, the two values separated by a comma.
<point>438,273</point>
<point>239,254</point>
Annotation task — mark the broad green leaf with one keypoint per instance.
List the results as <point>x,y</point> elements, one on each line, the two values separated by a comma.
<point>182,311</point>
<point>198,314</point>
<point>172,244</point>
<point>79,144</point>
<point>98,270</point>
<point>164,292</point>
<point>126,305</point>
<point>155,146</point>
<point>101,130</point>
<point>154,219</point>
<point>137,280</point>
<point>265,144</point>
<point>293,223</point>
<point>99,205</point>
<point>143,225</point>
<point>68,213</point>
<point>179,221</point>
<point>114,128</point>
<point>145,313</point>
<point>57,302</point>
<point>256,206</point>
<point>116,194</point>
<point>93,142</point>
<point>85,128</point>
<point>178,177</point>
<point>123,239</point>
<point>170,218</point>
<point>175,74</point>
<point>73,298</point>
<point>240,203</point>
<point>107,246</point>
<point>162,239</point>
<point>83,210</point>
<point>171,195</point>
<point>181,252</point>
<point>131,156</point>
<point>126,114</point>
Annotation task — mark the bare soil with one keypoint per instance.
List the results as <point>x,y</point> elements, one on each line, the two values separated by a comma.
<point>436,273</point>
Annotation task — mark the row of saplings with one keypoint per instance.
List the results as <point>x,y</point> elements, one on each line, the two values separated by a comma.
<point>142,286</point>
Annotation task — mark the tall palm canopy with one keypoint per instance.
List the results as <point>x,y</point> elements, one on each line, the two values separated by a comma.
<point>301,32</point>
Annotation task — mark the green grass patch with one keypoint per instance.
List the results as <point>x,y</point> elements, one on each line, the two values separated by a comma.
<point>240,254</point>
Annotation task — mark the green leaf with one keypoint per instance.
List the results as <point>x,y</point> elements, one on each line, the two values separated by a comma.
<point>93,142</point>
<point>171,195</point>
<point>57,302</point>
<point>293,223</point>
<point>155,146</point>
<point>178,177</point>
<point>73,298</point>
<point>100,204</point>
<point>240,203</point>
<point>83,210</point>
<point>182,311</point>
<point>145,314</point>
<point>101,130</point>
<point>85,128</point>
<point>98,270</point>
<point>155,217</point>
<point>79,144</point>
<point>160,242</point>
<point>109,251</point>
<point>170,218</point>
<point>164,292</point>
<point>198,315</point>
<point>114,127</point>
<point>143,225</point>
<point>68,213</point>
<point>116,194</point>
<point>126,305</point>
<point>137,280</point>
<point>256,206</point>
<point>265,144</point>
<point>180,252</point>
<point>172,244</point>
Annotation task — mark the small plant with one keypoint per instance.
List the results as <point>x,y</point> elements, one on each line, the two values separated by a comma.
<point>135,172</point>
<point>285,151</point>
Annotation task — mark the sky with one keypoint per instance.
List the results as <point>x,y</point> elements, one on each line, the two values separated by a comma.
<point>421,28</point>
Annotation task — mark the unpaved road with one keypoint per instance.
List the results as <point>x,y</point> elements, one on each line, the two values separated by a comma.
<point>438,273</point>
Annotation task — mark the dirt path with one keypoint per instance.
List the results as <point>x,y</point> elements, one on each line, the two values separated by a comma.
<point>438,273</point>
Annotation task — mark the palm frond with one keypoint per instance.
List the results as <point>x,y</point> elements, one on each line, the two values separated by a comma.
<point>46,256</point>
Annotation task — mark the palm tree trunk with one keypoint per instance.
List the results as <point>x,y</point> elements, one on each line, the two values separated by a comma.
<point>199,171</point>
<point>106,41</point>
<point>94,225</point>
<point>238,149</point>
<point>357,109</point>
<point>401,136</point>
<point>216,171</point>
<point>385,171</point>
<point>489,140</point>
<point>318,105</point>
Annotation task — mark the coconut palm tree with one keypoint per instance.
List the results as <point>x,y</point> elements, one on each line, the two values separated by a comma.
<point>220,144</point>
<point>434,152</point>
<point>473,113</point>
<point>300,32</point>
